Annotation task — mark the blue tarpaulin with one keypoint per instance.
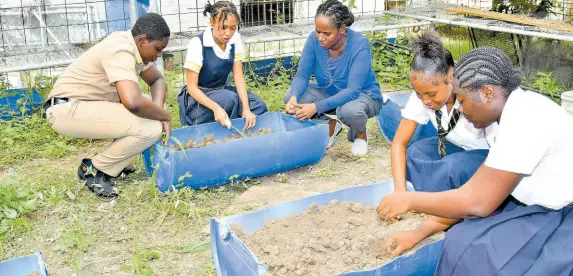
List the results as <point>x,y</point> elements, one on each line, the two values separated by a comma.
<point>292,144</point>
<point>232,257</point>
<point>23,266</point>
<point>19,102</point>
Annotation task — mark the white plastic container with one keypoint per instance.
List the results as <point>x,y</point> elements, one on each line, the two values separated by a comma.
<point>567,101</point>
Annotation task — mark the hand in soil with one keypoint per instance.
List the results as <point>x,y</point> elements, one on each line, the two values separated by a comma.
<point>251,119</point>
<point>325,240</point>
<point>399,242</point>
<point>306,111</point>
<point>393,205</point>
<point>289,107</point>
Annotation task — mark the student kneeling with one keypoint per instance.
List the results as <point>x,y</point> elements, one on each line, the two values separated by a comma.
<point>341,61</point>
<point>526,177</point>
<point>211,56</point>
<point>98,97</point>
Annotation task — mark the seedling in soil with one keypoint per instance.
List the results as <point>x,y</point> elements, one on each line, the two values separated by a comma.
<point>281,178</point>
<point>210,140</point>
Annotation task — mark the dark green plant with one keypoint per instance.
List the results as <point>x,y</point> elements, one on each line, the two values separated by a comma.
<point>547,84</point>
<point>391,61</point>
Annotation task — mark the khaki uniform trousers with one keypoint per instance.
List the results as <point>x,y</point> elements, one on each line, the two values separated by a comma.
<point>105,120</point>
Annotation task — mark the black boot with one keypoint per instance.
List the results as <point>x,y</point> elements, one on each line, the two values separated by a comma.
<point>97,181</point>
<point>126,171</point>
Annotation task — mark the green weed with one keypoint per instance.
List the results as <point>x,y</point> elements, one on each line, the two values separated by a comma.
<point>547,84</point>
<point>15,203</point>
<point>75,236</point>
<point>325,169</point>
<point>140,260</point>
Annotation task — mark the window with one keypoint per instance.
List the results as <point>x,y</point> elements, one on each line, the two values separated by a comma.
<point>266,12</point>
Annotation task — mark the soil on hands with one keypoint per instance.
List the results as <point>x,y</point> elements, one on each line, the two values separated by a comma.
<point>327,240</point>
<point>210,140</point>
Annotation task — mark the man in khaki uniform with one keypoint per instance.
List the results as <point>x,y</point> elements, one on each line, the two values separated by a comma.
<point>98,97</point>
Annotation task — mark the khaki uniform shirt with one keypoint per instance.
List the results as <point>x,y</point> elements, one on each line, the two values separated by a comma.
<point>93,76</point>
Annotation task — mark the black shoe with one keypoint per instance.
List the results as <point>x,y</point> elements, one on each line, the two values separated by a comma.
<point>123,174</point>
<point>126,171</point>
<point>97,181</point>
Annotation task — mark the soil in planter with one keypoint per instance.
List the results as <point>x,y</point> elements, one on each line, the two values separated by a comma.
<point>210,140</point>
<point>327,240</point>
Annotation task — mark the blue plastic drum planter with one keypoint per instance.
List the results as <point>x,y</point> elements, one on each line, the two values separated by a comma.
<point>19,102</point>
<point>292,144</point>
<point>232,257</point>
<point>23,266</point>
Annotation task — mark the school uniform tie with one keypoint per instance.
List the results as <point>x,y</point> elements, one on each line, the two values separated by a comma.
<point>442,132</point>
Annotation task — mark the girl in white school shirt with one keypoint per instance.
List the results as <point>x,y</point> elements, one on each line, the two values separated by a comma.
<point>211,56</point>
<point>445,161</point>
<point>517,212</point>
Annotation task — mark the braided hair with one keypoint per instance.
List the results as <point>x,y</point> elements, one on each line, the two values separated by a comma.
<point>338,13</point>
<point>487,65</point>
<point>222,9</point>
<point>152,25</point>
<point>430,56</point>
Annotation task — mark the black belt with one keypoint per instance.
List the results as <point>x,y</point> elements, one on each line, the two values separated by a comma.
<point>55,101</point>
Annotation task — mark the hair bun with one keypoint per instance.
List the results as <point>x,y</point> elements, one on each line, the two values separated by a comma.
<point>208,8</point>
<point>429,46</point>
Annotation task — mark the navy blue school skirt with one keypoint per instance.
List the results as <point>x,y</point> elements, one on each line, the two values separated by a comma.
<point>521,240</point>
<point>192,113</point>
<point>428,172</point>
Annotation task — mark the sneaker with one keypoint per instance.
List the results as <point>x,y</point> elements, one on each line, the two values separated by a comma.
<point>97,181</point>
<point>124,173</point>
<point>337,130</point>
<point>360,147</point>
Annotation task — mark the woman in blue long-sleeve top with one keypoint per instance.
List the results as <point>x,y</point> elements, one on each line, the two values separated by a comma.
<point>340,60</point>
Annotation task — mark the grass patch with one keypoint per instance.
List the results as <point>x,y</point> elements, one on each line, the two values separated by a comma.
<point>31,138</point>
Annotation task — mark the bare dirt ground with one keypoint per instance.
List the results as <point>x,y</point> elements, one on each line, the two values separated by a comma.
<point>143,232</point>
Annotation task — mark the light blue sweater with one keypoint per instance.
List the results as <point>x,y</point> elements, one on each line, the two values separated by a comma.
<point>351,75</point>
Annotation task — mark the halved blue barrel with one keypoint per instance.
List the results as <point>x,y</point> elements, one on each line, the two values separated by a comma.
<point>292,144</point>
<point>23,266</point>
<point>232,257</point>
